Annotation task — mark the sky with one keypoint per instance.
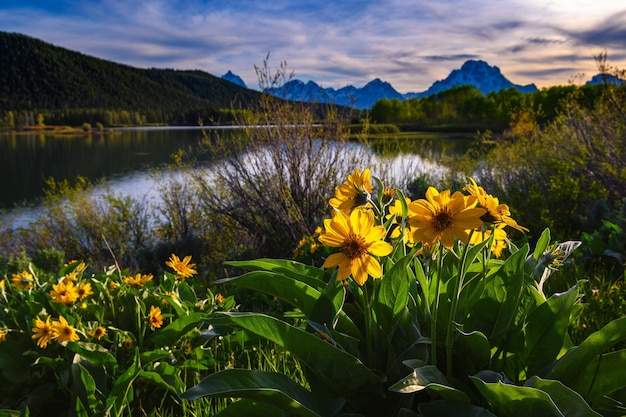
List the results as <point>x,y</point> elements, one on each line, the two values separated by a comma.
<point>408,43</point>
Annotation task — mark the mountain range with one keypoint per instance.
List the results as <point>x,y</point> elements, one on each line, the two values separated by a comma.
<point>477,73</point>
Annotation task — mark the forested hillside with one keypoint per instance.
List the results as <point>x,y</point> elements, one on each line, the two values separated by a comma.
<point>40,77</point>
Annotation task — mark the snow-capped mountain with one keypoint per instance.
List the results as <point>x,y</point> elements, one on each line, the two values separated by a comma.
<point>361,98</point>
<point>233,78</point>
<point>605,78</point>
<point>478,73</point>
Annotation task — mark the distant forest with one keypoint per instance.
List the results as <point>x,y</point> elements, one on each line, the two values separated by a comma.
<point>45,84</point>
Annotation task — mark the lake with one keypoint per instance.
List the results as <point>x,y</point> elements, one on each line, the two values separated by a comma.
<point>124,158</point>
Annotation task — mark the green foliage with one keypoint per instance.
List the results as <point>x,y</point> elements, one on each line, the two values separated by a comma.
<point>124,361</point>
<point>444,331</point>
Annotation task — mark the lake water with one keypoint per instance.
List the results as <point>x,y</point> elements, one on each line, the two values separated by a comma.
<point>124,158</point>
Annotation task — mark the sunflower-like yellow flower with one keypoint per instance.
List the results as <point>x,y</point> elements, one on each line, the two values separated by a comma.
<point>395,213</point>
<point>64,293</point>
<point>43,332</point>
<point>496,213</point>
<point>84,290</point>
<point>154,317</point>
<point>71,276</point>
<point>182,268</point>
<point>499,238</point>
<point>354,192</point>
<point>97,333</point>
<point>64,332</point>
<point>442,217</point>
<point>24,280</point>
<point>3,335</point>
<point>359,240</point>
<point>138,280</point>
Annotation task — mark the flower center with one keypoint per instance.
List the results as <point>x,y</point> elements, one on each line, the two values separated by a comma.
<point>442,220</point>
<point>354,246</point>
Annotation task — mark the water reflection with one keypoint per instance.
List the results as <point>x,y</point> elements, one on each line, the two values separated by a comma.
<point>126,159</point>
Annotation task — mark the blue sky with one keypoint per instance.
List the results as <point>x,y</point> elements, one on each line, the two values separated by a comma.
<point>409,43</point>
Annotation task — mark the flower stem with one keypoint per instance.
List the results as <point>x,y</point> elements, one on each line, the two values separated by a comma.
<point>435,309</point>
<point>368,324</point>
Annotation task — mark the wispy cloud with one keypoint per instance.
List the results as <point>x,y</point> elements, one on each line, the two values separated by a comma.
<point>410,43</point>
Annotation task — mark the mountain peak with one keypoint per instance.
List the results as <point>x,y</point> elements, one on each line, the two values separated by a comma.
<point>233,78</point>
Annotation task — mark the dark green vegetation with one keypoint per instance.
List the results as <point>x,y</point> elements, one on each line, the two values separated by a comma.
<point>68,87</point>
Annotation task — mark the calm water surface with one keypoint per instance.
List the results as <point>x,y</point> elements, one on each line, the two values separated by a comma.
<point>125,158</point>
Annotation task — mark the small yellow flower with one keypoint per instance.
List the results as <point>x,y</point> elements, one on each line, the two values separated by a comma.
<point>499,238</point>
<point>127,343</point>
<point>359,240</point>
<point>112,286</point>
<point>138,280</point>
<point>98,333</point>
<point>84,290</point>
<point>71,276</point>
<point>63,332</point>
<point>354,192</point>
<point>24,280</point>
<point>182,268</point>
<point>219,298</point>
<point>154,317</point>
<point>441,217</point>
<point>3,335</point>
<point>496,213</point>
<point>43,332</point>
<point>64,293</point>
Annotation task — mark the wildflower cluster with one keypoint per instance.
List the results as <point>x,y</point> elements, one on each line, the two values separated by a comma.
<point>362,226</point>
<point>106,319</point>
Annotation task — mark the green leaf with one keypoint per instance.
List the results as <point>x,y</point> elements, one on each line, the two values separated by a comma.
<point>569,365</point>
<point>542,245</point>
<point>513,401</point>
<point>316,277</point>
<point>602,376</point>
<point>267,387</point>
<point>83,388</point>
<point>342,372</point>
<point>156,379</point>
<point>296,292</point>
<point>475,350</point>
<point>249,408</point>
<point>545,331</point>
<point>447,408</point>
<point>95,354</point>
<point>393,293</point>
<point>172,333</point>
<point>121,393</point>
<point>494,313</point>
<point>567,400</point>
<point>419,379</point>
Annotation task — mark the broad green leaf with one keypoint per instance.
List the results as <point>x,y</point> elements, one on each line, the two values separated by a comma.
<point>602,376</point>
<point>316,277</point>
<point>545,331</point>
<point>250,408</point>
<point>542,245</point>
<point>122,391</point>
<point>156,379</point>
<point>475,350</point>
<point>450,408</point>
<point>298,293</point>
<point>493,314</point>
<point>83,387</point>
<point>393,293</point>
<point>172,333</point>
<point>419,379</point>
<point>567,400</point>
<point>95,354</point>
<point>268,387</point>
<point>343,372</point>
<point>569,365</point>
<point>513,401</point>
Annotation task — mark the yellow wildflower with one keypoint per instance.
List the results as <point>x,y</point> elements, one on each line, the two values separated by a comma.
<point>24,280</point>
<point>71,276</point>
<point>441,217</point>
<point>84,290</point>
<point>496,213</point>
<point>98,333</point>
<point>43,332</point>
<point>354,192</point>
<point>138,280</point>
<point>182,268</point>
<point>154,317</point>
<point>499,238</point>
<point>64,293</point>
<point>359,240</point>
<point>63,331</point>
<point>3,335</point>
